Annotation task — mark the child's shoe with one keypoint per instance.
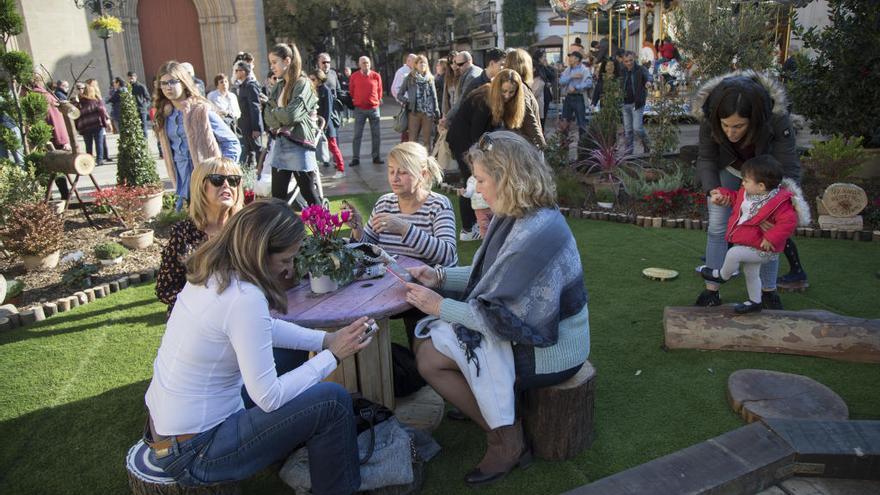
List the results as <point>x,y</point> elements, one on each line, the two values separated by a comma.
<point>708,298</point>
<point>770,300</point>
<point>710,274</point>
<point>747,307</point>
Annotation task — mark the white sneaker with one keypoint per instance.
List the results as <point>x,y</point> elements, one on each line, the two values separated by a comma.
<point>338,175</point>
<point>473,235</point>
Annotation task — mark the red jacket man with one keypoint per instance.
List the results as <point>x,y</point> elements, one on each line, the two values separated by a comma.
<point>365,87</point>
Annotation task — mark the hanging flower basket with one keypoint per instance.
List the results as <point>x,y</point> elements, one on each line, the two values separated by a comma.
<point>106,25</point>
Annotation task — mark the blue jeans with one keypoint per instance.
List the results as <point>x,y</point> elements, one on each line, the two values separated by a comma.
<point>251,439</point>
<point>633,119</point>
<point>95,139</point>
<point>574,108</point>
<point>360,118</point>
<point>716,244</point>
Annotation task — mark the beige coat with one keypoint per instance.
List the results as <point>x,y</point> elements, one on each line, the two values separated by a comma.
<point>199,136</point>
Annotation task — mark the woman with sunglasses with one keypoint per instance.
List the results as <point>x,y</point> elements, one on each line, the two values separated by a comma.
<point>187,128</point>
<point>219,337</point>
<point>517,317</point>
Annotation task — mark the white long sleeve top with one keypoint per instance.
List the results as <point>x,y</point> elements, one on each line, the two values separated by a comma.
<point>215,342</point>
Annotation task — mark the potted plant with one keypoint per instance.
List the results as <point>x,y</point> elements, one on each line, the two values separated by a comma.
<point>128,203</point>
<point>608,164</point>
<point>136,165</point>
<point>249,181</point>
<point>605,198</point>
<point>323,254</point>
<point>110,253</point>
<point>106,25</point>
<point>36,233</point>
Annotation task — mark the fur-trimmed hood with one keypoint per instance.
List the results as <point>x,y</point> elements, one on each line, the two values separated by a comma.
<point>800,204</point>
<point>775,91</point>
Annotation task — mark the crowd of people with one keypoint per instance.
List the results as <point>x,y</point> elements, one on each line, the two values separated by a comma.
<point>228,371</point>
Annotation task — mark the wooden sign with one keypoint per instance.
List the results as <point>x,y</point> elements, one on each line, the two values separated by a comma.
<point>849,224</point>
<point>844,200</point>
<point>661,274</point>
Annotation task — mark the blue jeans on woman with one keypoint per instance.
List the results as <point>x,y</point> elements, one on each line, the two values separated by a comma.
<point>716,244</point>
<point>251,439</point>
<point>95,138</point>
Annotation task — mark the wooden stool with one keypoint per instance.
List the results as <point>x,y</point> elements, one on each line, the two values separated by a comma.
<point>145,478</point>
<point>558,420</point>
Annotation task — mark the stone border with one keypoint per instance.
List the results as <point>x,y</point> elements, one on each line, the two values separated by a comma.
<point>12,317</point>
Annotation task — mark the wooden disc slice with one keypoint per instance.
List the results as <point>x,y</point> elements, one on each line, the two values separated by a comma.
<point>757,394</point>
<point>844,200</point>
<point>660,274</point>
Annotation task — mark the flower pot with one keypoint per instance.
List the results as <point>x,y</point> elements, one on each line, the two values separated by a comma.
<point>603,204</point>
<point>41,262</point>
<point>103,33</point>
<point>137,239</point>
<point>152,205</point>
<point>113,261</point>
<point>249,196</point>
<point>322,284</point>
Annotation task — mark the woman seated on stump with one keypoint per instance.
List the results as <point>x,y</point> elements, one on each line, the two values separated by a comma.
<point>219,336</point>
<point>517,317</point>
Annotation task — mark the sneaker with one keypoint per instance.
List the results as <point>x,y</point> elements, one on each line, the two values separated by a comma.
<point>325,164</point>
<point>378,161</point>
<point>747,307</point>
<point>108,160</point>
<point>771,300</point>
<point>708,298</point>
<point>709,274</point>
<point>472,235</point>
<point>354,163</point>
<point>338,175</point>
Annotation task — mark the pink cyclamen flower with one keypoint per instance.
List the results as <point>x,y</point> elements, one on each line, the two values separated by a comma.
<point>345,215</point>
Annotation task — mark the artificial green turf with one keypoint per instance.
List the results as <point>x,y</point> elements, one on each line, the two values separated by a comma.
<point>71,392</point>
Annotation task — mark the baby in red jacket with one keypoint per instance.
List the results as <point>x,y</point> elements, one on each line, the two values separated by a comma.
<point>764,198</point>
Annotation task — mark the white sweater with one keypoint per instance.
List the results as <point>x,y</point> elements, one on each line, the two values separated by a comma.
<point>215,342</point>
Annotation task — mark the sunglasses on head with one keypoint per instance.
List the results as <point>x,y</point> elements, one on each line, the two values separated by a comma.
<point>459,63</point>
<point>486,143</point>
<point>217,180</point>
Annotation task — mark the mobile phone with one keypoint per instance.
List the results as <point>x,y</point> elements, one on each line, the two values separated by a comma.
<point>371,330</point>
<point>400,272</point>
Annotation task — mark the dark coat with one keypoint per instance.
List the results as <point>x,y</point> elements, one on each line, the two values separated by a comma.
<point>777,138</point>
<point>92,116</point>
<point>327,109</point>
<point>472,119</point>
<point>141,97</point>
<point>249,102</point>
<point>640,77</point>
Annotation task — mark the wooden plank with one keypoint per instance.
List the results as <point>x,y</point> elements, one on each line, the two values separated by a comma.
<point>829,486</point>
<point>369,375</point>
<point>386,368</point>
<point>757,394</point>
<point>808,333</point>
<point>744,460</point>
<point>839,449</point>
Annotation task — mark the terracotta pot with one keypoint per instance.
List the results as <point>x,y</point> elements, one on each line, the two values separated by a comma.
<point>322,284</point>
<point>41,262</point>
<point>137,239</point>
<point>152,205</point>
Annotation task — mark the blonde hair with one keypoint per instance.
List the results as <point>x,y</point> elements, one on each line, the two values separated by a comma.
<point>242,249</point>
<point>510,113</point>
<point>413,157</point>
<point>198,206</point>
<point>160,101</point>
<point>523,181</point>
<point>91,92</point>
<point>419,59</point>
<point>520,61</point>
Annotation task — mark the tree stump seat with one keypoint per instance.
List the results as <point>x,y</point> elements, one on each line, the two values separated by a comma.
<point>145,478</point>
<point>558,420</point>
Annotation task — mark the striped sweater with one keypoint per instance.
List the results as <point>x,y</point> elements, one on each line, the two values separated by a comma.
<point>431,236</point>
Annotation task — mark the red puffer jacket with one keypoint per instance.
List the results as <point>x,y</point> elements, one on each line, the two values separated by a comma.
<point>779,211</point>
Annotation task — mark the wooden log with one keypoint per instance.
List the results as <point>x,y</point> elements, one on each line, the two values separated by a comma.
<point>147,276</point>
<point>106,287</point>
<point>5,324</point>
<point>656,222</point>
<point>50,309</point>
<point>558,420</point>
<point>27,316</point>
<point>74,301</point>
<point>10,312</point>
<point>760,394</point>
<point>90,293</point>
<point>123,283</point>
<point>806,333</point>
<point>114,286</point>
<point>83,298</point>
<point>146,479</point>
<point>66,162</point>
<point>63,304</point>
<point>134,279</point>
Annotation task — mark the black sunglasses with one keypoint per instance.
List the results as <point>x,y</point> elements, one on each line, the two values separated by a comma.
<point>217,180</point>
<point>459,63</point>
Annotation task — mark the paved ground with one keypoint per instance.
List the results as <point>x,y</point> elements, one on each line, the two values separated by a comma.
<point>365,178</point>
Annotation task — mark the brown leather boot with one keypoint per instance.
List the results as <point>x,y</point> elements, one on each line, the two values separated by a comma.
<point>505,450</point>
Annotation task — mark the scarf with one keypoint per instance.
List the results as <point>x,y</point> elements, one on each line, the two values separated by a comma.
<point>525,279</point>
<point>422,101</point>
<point>753,204</point>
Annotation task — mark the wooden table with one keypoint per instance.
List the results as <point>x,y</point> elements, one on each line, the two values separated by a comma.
<point>368,372</point>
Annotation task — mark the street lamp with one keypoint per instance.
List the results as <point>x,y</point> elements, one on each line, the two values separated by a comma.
<point>98,7</point>
<point>450,20</point>
<point>334,25</point>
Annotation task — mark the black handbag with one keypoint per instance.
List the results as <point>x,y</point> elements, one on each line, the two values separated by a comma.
<point>367,415</point>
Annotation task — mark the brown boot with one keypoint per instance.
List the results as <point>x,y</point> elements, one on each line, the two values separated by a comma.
<point>505,450</point>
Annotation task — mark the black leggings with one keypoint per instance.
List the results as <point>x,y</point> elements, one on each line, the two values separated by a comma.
<point>791,254</point>
<point>308,185</point>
